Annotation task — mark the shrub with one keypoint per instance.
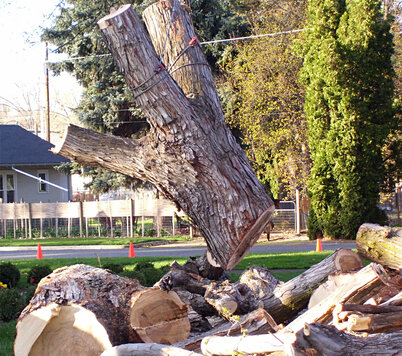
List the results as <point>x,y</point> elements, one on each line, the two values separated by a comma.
<point>146,273</point>
<point>11,304</point>
<point>113,267</point>
<point>37,273</point>
<point>9,274</point>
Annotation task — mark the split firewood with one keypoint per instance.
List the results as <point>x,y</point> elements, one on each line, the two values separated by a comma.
<point>380,244</point>
<point>395,300</point>
<point>287,299</point>
<point>147,350</point>
<point>360,287</point>
<point>255,323</point>
<point>371,318</point>
<point>319,339</point>
<point>86,304</point>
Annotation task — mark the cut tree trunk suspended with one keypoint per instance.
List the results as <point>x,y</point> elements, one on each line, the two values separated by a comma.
<point>189,154</point>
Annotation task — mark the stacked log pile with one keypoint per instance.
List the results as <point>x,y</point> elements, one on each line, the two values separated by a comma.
<point>337,307</point>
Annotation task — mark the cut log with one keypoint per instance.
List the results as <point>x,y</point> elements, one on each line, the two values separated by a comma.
<point>244,345</point>
<point>287,299</point>
<point>147,350</point>
<point>370,318</point>
<point>254,323</point>
<point>360,286</point>
<point>159,316</point>
<point>81,303</point>
<point>189,155</point>
<point>318,339</point>
<point>88,305</point>
<point>380,244</point>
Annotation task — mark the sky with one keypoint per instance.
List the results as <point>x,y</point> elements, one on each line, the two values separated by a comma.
<point>22,57</point>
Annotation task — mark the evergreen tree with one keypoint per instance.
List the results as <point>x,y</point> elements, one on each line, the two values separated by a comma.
<point>349,88</point>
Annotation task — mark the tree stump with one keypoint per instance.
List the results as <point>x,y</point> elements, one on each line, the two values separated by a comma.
<point>82,310</point>
<point>380,244</point>
<point>189,154</point>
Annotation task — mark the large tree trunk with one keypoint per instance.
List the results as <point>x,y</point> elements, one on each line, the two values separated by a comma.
<point>189,155</point>
<point>380,244</point>
<point>97,310</point>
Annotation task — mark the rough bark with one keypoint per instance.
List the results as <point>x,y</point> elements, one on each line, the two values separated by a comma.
<point>380,244</point>
<point>88,304</point>
<point>317,339</point>
<point>189,154</point>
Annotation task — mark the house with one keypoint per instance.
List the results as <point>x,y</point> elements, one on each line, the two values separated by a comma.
<point>24,158</point>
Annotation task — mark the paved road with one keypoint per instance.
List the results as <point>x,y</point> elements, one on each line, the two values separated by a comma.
<point>121,251</point>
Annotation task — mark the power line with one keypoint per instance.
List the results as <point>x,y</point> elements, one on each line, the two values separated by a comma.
<point>201,43</point>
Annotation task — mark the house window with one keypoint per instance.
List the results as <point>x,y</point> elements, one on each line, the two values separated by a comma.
<point>7,188</point>
<point>10,188</point>
<point>42,185</point>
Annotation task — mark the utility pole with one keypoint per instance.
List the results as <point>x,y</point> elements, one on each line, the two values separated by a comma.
<point>47,95</point>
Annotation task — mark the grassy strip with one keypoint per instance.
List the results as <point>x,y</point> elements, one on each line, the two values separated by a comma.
<point>7,336</point>
<point>295,260</point>
<point>78,241</point>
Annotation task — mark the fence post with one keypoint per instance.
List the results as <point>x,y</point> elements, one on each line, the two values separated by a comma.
<point>40,221</point>
<point>297,212</point>
<point>14,222</point>
<point>132,207</point>
<point>30,220</point>
<point>80,212</point>
<point>173,230</point>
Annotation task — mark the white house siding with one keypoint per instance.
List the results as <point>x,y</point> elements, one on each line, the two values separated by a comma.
<point>27,188</point>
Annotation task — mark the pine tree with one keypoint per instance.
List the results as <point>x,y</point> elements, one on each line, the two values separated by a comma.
<point>349,88</point>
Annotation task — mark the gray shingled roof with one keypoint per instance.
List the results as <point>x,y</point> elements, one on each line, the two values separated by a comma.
<point>21,147</point>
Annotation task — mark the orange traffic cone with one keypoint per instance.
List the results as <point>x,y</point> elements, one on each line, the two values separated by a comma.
<point>39,254</point>
<point>318,247</point>
<point>131,252</point>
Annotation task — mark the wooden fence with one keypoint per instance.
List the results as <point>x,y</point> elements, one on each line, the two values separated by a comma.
<point>17,218</point>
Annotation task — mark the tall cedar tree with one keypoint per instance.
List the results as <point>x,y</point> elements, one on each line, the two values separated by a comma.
<point>348,105</point>
<point>268,98</point>
<point>107,103</point>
